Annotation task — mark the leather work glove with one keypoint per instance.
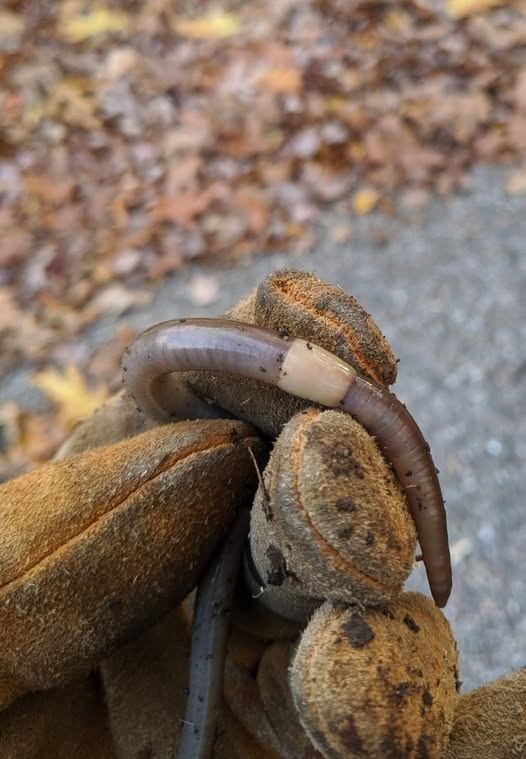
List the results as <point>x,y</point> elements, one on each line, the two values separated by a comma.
<point>100,549</point>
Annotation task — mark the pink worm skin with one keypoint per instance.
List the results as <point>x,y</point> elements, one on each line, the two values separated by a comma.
<point>309,372</point>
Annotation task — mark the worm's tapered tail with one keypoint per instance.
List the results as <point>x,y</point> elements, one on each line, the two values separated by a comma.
<point>307,371</point>
<point>209,642</point>
<point>404,446</point>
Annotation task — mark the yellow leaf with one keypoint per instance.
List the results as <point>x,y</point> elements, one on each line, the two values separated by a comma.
<point>398,20</point>
<point>214,26</point>
<point>69,392</point>
<point>516,184</point>
<point>98,21</point>
<point>71,101</point>
<point>462,8</point>
<point>364,201</point>
<point>357,151</point>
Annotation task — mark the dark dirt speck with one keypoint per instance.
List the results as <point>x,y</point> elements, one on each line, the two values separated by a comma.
<point>349,735</point>
<point>357,631</point>
<point>278,566</point>
<point>410,622</point>
<point>344,504</point>
<point>427,698</point>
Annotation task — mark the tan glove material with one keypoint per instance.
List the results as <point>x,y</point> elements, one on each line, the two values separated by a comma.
<point>491,720</point>
<point>63,723</point>
<point>95,547</point>
<point>330,520</point>
<point>276,698</point>
<point>377,683</point>
<point>145,689</point>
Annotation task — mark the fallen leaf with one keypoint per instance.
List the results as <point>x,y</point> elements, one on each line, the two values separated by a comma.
<point>70,101</point>
<point>53,190</point>
<point>255,205</point>
<point>27,439</point>
<point>69,392</point>
<point>184,207</point>
<point>11,31</point>
<point>324,183</point>
<point>119,63</point>
<point>281,80</point>
<point>364,201</point>
<point>519,91</point>
<point>462,114</point>
<point>398,20</point>
<point>10,414</point>
<point>96,22</point>
<point>214,26</point>
<point>516,184</point>
<point>461,8</point>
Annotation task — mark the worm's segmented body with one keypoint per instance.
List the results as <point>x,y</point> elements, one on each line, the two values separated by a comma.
<point>307,371</point>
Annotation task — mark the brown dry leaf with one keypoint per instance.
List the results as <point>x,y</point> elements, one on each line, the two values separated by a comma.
<point>10,414</point>
<point>214,26</point>
<point>96,22</point>
<point>364,201</point>
<point>20,331</point>
<point>461,8</point>
<point>519,93</point>
<point>281,80</point>
<point>27,439</point>
<point>516,184</point>
<point>11,31</point>
<point>183,208</point>
<point>255,205</point>
<point>70,101</point>
<point>119,63</point>
<point>53,190</point>
<point>461,114</point>
<point>69,392</point>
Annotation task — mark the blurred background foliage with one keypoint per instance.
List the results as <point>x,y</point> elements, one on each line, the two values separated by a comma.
<point>137,136</point>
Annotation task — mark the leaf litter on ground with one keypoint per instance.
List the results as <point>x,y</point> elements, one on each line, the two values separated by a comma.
<point>135,137</point>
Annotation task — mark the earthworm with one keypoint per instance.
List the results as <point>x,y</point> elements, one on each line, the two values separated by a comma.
<point>307,371</point>
<point>209,637</point>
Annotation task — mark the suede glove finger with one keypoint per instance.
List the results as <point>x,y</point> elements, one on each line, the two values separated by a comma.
<point>94,548</point>
<point>377,683</point>
<point>490,721</point>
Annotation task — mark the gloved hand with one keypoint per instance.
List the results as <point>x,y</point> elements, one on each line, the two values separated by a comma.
<point>99,546</point>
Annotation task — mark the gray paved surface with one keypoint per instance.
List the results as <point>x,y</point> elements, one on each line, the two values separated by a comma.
<point>448,289</point>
